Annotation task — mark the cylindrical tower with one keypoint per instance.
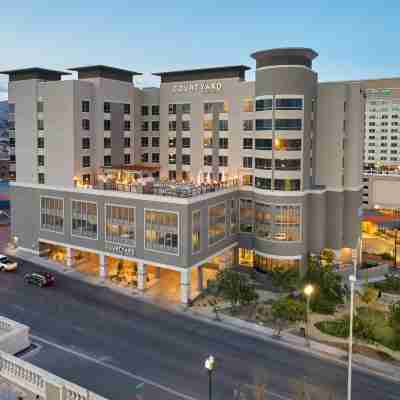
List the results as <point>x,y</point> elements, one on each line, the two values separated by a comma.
<point>285,89</point>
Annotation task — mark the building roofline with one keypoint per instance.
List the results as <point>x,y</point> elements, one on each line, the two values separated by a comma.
<point>100,67</point>
<point>205,70</point>
<point>33,70</point>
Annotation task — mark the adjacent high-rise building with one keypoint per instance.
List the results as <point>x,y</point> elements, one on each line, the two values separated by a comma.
<point>170,184</point>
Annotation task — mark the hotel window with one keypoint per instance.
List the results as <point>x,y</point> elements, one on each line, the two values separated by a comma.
<point>186,159</point>
<point>263,221</point>
<point>11,125</point>
<point>223,143</point>
<point>39,107</point>
<point>186,108</point>
<point>247,143</point>
<point>155,142</point>
<point>287,185</point>
<point>289,104</point>
<point>263,163</point>
<point>11,108</point>
<point>208,108</point>
<point>120,225</point>
<point>287,223</point>
<point>85,106</point>
<point>145,157</point>
<point>186,125</point>
<point>172,142</point>
<point>155,157</point>
<point>207,160</point>
<point>248,125</point>
<point>247,162</point>
<point>246,213</point>
<point>247,180</point>
<point>127,159</point>
<point>40,142</point>
<point>155,126</point>
<point>40,125</point>
<point>172,125</point>
<point>223,161</point>
<point>52,214</point>
<point>287,144</point>
<point>288,124</point>
<point>40,160</point>
<point>216,223</point>
<point>84,219</point>
<point>107,142</point>
<point>263,124</point>
<point>208,140</point>
<point>267,264</point>
<point>107,124</point>
<point>262,183</point>
<point>127,125</point>
<point>145,126</point>
<point>145,110</point>
<point>86,161</point>
<point>85,143</point>
<point>233,217</point>
<point>288,165</point>
<point>107,107</point>
<point>248,105</point>
<point>127,142</point>
<point>144,141</point>
<point>172,175</point>
<point>127,109</point>
<point>171,109</point>
<point>185,142</point>
<point>41,178</point>
<point>86,124</point>
<point>223,125</point>
<point>208,124</point>
<point>107,161</point>
<point>225,107</point>
<point>11,141</point>
<point>155,110</point>
<point>264,105</point>
<point>196,229</point>
<point>172,159</point>
<point>161,231</point>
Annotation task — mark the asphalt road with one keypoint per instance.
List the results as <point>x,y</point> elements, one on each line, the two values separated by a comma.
<point>108,343</point>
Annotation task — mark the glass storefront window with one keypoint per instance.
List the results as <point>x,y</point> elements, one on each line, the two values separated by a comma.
<point>263,221</point>
<point>246,215</point>
<point>122,272</point>
<point>233,216</point>
<point>196,229</point>
<point>287,223</point>
<point>120,224</point>
<point>246,257</point>
<point>52,214</point>
<point>84,219</point>
<point>161,231</point>
<point>216,223</point>
<point>267,264</point>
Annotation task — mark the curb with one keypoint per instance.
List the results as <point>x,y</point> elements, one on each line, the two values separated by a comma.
<point>316,349</point>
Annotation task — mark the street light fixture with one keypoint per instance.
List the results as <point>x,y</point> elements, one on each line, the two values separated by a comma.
<point>308,291</point>
<point>209,365</point>
<point>352,279</point>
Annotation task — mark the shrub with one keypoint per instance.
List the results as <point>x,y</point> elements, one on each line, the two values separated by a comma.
<point>322,305</point>
<point>287,310</point>
<point>339,328</point>
<point>390,284</point>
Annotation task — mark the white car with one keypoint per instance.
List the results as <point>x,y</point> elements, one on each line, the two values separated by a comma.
<point>6,264</point>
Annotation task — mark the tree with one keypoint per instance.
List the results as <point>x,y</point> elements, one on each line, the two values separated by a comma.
<point>235,288</point>
<point>287,311</point>
<point>327,256</point>
<point>369,295</point>
<point>284,279</point>
<point>394,318</point>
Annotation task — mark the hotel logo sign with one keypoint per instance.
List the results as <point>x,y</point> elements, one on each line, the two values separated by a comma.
<point>198,87</point>
<point>121,250</point>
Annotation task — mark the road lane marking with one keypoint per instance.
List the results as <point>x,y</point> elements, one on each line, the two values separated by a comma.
<point>130,374</point>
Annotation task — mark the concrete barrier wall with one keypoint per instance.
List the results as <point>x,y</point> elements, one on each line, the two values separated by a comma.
<point>40,382</point>
<point>14,337</point>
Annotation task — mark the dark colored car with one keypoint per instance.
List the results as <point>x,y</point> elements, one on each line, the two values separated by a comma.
<point>40,279</point>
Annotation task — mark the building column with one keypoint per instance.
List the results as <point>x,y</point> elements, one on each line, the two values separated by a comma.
<point>102,266</point>
<point>185,286</point>
<point>199,279</point>
<point>141,275</point>
<point>69,258</point>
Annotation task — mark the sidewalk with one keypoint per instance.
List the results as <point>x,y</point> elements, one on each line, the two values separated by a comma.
<point>289,340</point>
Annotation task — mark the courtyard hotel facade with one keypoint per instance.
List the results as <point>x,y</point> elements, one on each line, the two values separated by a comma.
<point>159,188</point>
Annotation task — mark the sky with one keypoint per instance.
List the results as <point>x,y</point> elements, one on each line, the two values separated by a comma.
<point>355,39</point>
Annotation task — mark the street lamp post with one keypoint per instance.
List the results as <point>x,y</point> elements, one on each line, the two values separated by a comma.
<point>209,365</point>
<point>308,290</point>
<point>352,280</point>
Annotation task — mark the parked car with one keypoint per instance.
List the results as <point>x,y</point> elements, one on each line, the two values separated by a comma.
<point>7,265</point>
<point>40,279</point>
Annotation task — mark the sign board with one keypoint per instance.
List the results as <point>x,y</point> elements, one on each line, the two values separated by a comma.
<point>379,92</point>
<point>120,249</point>
<point>197,87</point>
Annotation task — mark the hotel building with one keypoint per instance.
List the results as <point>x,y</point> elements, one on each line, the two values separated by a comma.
<point>159,188</point>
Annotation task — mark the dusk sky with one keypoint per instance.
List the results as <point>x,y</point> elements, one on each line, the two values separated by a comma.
<point>354,39</point>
